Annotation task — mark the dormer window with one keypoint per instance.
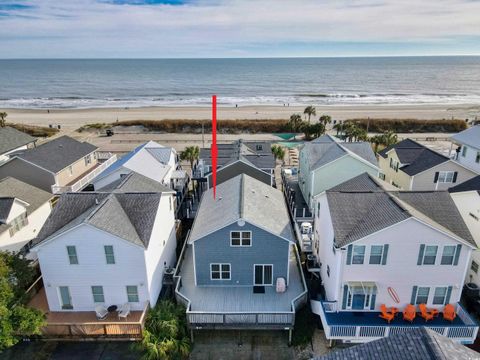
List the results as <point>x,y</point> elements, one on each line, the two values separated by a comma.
<point>241,238</point>
<point>18,223</point>
<point>394,164</point>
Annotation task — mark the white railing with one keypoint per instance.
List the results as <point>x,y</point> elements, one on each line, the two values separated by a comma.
<point>84,181</point>
<point>466,333</point>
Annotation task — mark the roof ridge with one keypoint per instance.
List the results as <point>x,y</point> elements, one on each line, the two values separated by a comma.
<point>116,195</point>
<point>97,206</point>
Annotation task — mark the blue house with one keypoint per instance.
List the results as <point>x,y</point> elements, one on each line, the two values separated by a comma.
<point>239,268</point>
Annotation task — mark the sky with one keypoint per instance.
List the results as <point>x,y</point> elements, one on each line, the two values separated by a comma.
<point>237,28</point>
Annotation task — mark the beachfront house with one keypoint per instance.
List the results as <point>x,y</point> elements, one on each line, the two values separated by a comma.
<point>467,198</point>
<point>152,160</point>
<point>60,165</point>
<point>467,152</point>
<point>102,251</point>
<point>239,268</point>
<point>13,140</point>
<point>377,247</point>
<point>409,165</point>
<point>326,162</point>
<point>23,211</point>
<point>253,158</point>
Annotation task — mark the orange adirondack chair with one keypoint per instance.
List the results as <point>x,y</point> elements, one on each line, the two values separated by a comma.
<point>385,314</point>
<point>427,314</point>
<point>449,312</point>
<point>409,312</point>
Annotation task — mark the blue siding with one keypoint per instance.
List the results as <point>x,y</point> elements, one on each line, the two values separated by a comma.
<point>215,248</point>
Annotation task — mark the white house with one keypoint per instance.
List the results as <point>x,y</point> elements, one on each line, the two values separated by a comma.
<point>467,198</point>
<point>106,248</point>
<point>394,248</point>
<point>23,211</point>
<point>152,160</point>
<point>468,151</point>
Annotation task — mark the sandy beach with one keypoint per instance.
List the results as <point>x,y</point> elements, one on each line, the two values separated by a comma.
<point>72,119</point>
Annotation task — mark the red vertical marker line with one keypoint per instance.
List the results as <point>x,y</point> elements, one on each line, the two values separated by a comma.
<point>214,149</point>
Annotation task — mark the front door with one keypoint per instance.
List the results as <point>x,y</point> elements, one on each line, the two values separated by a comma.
<point>358,302</point>
<point>263,275</point>
<point>65,298</point>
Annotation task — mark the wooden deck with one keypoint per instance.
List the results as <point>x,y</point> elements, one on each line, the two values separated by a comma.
<point>84,324</point>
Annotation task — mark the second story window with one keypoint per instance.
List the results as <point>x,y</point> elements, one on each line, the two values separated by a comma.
<point>378,254</point>
<point>448,255</point>
<point>241,238</point>
<point>474,267</point>
<point>464,151</point>
<point>109,255</point>
<point>422,295</point>
<point>394,164</point>
<point>72,255</point>
<point>427,255</point>
<point>358,254</point>
<point>88,159</point>
<point>446,176</point>
<point>220,271</point>
<point>18,223</point>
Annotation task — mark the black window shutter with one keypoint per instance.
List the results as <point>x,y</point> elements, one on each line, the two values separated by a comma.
<point>436,177</point>
<point>349,254</point>
<point>420,254</point>
<point>455,176</point>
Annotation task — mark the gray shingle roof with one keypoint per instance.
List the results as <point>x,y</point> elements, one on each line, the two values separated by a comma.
<point>414,157</point>
<point>135,182</point>
<point>470,137</point>
<point>242,197</point>
<point>415,344</point>
<point>322,153</point>
<point>11,138</point>
<point>361,206</point>
<point>470,185</point>
<point>14,188</point>
<point>161,154</point>
<point>326,138</point>
<point>57,154</point>
<point>130,216</point>
<point>5,208</point>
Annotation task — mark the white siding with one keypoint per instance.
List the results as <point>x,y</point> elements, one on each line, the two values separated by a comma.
<point>468,203</point>
<point>4,157</point>
<point>129,269</point>
<point>469,159</point>
<point>101,182</point>
<point>161,250</point>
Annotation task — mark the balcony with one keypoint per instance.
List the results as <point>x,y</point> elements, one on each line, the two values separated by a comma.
<point>83,180</point>
<point>358,327</point>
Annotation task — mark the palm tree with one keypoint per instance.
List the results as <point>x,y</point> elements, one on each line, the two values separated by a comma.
<point>389,138</point>
<point>376,141</point>
<point>191,153</point>
<point>325,119</point>
<point>3,121</point>
<point>278,152</point>
<point>310,110</point>
<point>339,127</point>
<point>295,123</point>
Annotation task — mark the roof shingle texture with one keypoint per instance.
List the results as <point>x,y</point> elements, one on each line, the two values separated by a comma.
<point>11,139</point>
<point>414,157</point>
<point>470,185</point>
<point>469,137</point>
<point>361,206</point>
<point>242,197</point>
<point>415,344</point>
<point>57,154</point>
<point>130,216</point>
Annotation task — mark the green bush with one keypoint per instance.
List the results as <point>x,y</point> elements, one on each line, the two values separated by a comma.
<point>34,130</point>
<point>410,125</point>
<point>304,327</point>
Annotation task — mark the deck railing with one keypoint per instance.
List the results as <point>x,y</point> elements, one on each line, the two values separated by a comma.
<point>466,333</point>
<point>85,180</point>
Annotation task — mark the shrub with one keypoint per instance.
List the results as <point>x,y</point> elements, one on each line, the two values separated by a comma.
<point>304,327</point>
<point>34,130</point>
<point>410,125</point>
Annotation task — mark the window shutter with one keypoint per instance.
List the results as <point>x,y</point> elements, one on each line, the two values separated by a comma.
<point>372,302</point>
<point>385,254</point>
<point>457,254</point>
<point>391,162</point>
<point>349,254</point>
<point>436,177</point>
<point>449,293</point>
<point>345,294</point>
<point>414,295</point>
<point>420,254</point>
<point>455,176</point>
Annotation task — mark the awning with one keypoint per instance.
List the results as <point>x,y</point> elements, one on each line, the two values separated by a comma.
<point>362,287</point>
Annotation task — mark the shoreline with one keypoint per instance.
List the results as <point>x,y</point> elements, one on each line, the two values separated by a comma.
<point>72,119</point>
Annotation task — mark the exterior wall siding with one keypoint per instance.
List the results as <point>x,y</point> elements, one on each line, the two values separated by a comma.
<point>215,248</point>
<point>63,177</point>
<point>400,179</point>
<point>424,181</point>
<point>469,159</point>
<point>229,172</point>
<point>28,173</point>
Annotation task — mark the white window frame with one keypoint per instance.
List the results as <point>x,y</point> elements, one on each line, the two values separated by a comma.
<point>241,238</point>
<point>453,256</point>
<point>18,223</point>
<point>88,159</point>
<point>107,255</point>
<point>416,295</point>
<point>70,256</point>
<point>60,300</point>
<point>444,296</point>
<point>353,254</point>
<point>382,254</point>
<point>263,275</point>
<point>130,293</point>
<point>220,271</point>
<point>425,254</point>
<point>368,299</point>
<point>443,177</point>
<point>102,294</point>
<point>394,164</point>
<point>474,266</point>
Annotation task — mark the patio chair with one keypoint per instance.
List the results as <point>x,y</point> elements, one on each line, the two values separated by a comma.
<point>124,311</point>
<point>101,312</point>
<point>427,314</point>
<point>409,312</point>
<point>385,314</point>
<point>449,312</point>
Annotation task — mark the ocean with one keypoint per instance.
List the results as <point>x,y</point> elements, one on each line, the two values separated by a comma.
<point>45,84</point>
